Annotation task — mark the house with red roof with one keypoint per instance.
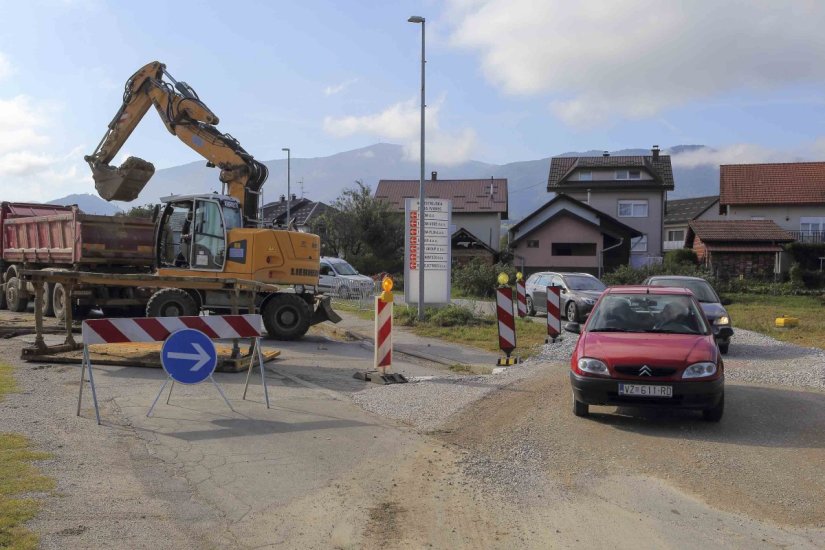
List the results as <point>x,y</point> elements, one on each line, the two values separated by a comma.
<point>791,194</point>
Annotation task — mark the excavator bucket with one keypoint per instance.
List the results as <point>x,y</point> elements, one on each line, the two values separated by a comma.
<point>124,183</point>
<point>324,312</point>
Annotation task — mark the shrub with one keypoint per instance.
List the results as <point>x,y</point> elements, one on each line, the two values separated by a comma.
<point>475,278</point>
<point>448,316</point>
<point>679,257</point>
<point>806,254</point>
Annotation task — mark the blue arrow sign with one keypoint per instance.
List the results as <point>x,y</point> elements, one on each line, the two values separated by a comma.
<point>188,356</point>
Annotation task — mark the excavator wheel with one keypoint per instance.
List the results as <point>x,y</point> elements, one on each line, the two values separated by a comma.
<point>171,302</point>
<point>286,317</point>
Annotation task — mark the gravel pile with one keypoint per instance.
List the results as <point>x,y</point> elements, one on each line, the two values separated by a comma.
<point>428,403</point>
<point>759,359</point>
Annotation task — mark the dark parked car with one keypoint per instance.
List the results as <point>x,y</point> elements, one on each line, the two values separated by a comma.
<point>579,292</point>
<point>647,346</point>
<point>708,299</point>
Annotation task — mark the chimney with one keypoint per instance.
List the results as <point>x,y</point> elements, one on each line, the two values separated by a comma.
<point>293,196</point>
<point>606,154</point>
<point>283,199</point>
<point>655,152</point>
<point>434,176</point>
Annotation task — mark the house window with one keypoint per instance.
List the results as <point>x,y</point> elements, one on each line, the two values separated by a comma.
<point>532,244</point>
<point>809,225</point>
<point>634,174</point>
<point>621,175</point>
<point>585,175</point>
<point>573,249</point>
<point>638,244</point>
<point>632,209</point>
<point>676,235</point>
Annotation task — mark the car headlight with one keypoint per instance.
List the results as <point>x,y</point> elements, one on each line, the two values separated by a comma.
<point>589,301</point>
<point>593,366</point>
<point>700,370</point>
<point>723,320</point>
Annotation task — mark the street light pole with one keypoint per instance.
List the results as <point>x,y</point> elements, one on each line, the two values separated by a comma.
<point>421,195</point>
<point>288,196</point>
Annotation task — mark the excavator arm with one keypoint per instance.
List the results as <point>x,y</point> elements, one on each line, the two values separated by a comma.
<point>186,117</point>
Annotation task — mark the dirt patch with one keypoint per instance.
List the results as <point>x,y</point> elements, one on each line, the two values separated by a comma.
<point>385,521</point>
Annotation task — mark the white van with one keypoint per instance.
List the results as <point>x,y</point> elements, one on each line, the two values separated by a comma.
<point>338,278</point>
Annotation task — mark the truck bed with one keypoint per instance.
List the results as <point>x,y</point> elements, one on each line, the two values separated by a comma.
<point>65,236</point>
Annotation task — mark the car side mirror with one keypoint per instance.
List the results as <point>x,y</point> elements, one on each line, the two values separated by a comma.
<point>562,290</point>
<point>575,328</point>
<point>725,301</point>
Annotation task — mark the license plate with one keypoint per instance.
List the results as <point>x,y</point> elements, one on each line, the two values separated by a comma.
<point>644,390</point>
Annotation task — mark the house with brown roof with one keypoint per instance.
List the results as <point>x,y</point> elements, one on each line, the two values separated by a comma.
<point>479,205</point>
<point>633,189</point>
<point>679,212</point>
<point>566,234</point>
<point>733,248</point>
<point>302,211</point>
<point>792,194</point>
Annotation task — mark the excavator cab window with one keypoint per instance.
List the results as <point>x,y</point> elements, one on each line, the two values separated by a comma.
<point>173,240</point>
<point>208,236</point>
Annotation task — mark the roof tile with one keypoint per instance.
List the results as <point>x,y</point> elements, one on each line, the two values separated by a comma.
<point>778,183</point>
<point>660,168</point>
<point>480,195</point>
<point>751,231</point>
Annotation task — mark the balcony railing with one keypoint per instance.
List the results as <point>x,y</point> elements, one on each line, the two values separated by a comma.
<point>673,245</point>
<point>809,236</point>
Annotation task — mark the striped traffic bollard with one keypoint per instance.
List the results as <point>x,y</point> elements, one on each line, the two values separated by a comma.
<point>553,314</point>
<point>521,294</point>
<point>383,335</point>
<point>506,325</point>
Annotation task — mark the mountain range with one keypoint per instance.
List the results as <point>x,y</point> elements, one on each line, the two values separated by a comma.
<point>325,177</point>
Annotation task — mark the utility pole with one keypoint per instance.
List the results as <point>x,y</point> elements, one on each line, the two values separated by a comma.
<point>421,194</point>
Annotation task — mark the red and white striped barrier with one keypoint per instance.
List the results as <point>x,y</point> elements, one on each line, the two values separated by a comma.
<point>521,292</point>
<point>553,313</point>
<point>158,329</point>
<point>506,324</point>
<point>383,335</point>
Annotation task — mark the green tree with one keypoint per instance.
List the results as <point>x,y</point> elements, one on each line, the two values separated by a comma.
<point>363,230</point>
<point>144,211</point>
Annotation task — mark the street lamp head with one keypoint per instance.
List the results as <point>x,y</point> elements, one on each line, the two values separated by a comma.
<point>416,19</point>
<point>285,149</point>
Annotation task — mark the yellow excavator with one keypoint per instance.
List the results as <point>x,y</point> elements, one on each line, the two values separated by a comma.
<point>211,235</point>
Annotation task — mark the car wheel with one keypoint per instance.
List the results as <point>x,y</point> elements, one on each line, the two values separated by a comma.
<point>724,348</point>
<point>714,414</point>
<point>531,310</point>
<point>580,409</point>
<point>572,312</point>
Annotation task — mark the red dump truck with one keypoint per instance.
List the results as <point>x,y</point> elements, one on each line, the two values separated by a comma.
<point>43,236</point>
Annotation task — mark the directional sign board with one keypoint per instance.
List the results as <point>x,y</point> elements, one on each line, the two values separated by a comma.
<point>188,356</point>
<point>437,250</point>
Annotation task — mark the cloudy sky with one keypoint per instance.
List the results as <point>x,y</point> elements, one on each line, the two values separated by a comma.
<point>507,80</point>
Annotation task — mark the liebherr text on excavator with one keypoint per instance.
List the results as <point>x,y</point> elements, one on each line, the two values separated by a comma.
<point>211,235</point>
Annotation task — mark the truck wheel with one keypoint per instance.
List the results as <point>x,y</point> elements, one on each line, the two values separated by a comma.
<point>59,303</point>
<point>2,294</point>
<point>15,299</point>
<point>171,302</point>
<point>48,300</point>
<point>286,317</point>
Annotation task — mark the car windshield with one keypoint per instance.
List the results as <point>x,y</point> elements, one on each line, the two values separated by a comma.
<point>663,313</point>
<point>578,282</point>
<point>700,288</point>
<point>343,268</point>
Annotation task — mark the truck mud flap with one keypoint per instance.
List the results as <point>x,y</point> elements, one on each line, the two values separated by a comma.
<point>124,183</point>
<point>324,312</point>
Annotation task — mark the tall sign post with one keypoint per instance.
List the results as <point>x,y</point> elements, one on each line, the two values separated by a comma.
<point>436,250</point>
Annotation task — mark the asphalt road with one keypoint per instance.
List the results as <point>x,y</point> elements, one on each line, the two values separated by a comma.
<point>514,469</point>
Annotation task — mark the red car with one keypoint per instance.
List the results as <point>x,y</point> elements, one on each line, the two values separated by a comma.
<point>647,346</point>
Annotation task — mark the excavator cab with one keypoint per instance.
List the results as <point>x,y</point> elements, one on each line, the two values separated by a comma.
<point>124,183</point>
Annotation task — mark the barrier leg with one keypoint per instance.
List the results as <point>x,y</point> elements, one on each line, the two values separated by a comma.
<point>155,402</point>
<point>249,371</point>
<point>92,383</point>
<point>82,376</point>
<point>220,391</point>
<point>172,387</point>
<point>261,364</point>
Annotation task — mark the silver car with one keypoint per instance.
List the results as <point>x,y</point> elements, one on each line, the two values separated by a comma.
<point>578,294</point>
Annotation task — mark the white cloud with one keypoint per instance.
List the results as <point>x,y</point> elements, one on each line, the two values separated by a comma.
<point>749,153</point>
<point>402,122</point>
<point>20,163</point>
<point>601,60</point>
<point>21,122</point>
<point>338,88</point>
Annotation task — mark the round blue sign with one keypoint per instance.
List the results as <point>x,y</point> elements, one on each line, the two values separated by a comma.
<point>188,356</point>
